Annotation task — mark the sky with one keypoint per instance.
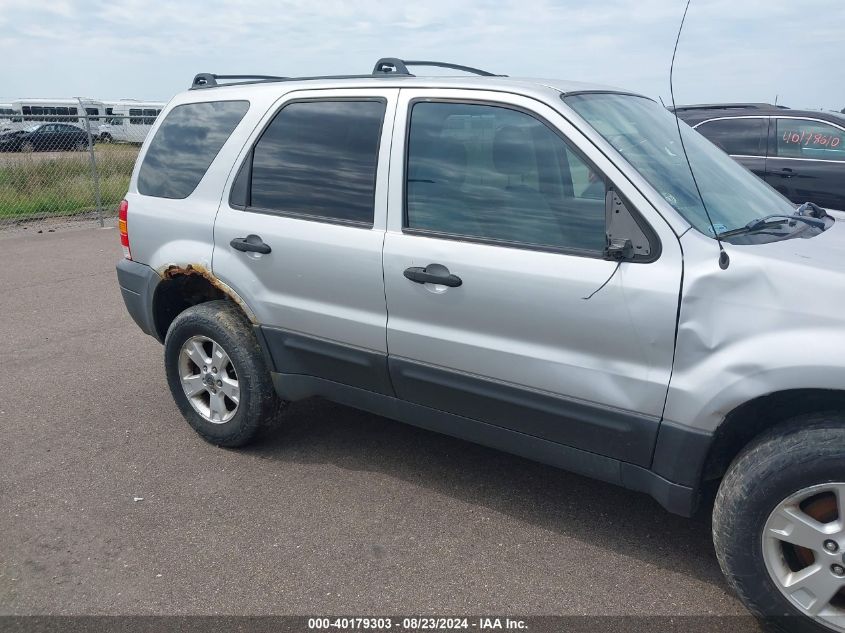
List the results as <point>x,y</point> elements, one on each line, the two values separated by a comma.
<point>730,50</point>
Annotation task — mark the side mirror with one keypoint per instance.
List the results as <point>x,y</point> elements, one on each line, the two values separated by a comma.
<point>626,240</point>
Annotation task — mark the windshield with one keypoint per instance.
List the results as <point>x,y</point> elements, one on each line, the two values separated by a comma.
<point>646,134</point>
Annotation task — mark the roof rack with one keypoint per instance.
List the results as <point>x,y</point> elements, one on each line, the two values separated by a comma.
<point>207,80</point>
<point>730,106</point>
<point>394,66</point>
<point>385,67</point>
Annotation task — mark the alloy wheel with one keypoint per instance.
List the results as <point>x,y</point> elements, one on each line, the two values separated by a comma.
<point>209,379</point>
<point>804,552</point>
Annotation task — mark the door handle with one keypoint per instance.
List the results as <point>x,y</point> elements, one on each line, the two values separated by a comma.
<point>250,244</point>
<point>433,274</point>
<point>786,172</point>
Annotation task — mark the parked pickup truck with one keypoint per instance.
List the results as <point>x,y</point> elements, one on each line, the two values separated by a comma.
<point>527,264</point>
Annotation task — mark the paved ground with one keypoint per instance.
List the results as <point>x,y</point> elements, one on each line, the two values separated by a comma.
<point>335,512</point>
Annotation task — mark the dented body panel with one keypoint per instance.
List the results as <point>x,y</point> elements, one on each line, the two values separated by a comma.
<point>772,321</point>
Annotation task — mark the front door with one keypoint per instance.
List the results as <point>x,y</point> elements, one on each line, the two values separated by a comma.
<point>493,252</point>
<point>300,230</point>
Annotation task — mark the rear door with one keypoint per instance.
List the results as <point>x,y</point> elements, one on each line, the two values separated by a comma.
<point>743,138</point>
<point>808,162</point>
<point>300,230</point>
<point>494,277</point>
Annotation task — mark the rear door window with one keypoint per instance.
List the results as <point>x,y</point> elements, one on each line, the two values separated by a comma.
<point>317,159</point>
<point>737,137</point>
<point>801,138</point>
<point>185,146</point>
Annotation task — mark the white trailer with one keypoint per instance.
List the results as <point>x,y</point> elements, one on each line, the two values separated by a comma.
<point>129,120</point>
<point>28,112</point>
<point>7,113</point>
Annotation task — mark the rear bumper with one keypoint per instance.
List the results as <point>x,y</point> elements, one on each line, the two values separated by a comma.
<point>138,283</point>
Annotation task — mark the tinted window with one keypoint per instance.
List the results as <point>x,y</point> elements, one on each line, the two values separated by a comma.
<point>797,138</point>
<point>319,158</point>
<point>738,137</point>
<point>494,173</point>
<point>185,145</point>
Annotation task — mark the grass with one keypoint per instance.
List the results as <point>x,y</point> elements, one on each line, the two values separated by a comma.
<point>39,185</point>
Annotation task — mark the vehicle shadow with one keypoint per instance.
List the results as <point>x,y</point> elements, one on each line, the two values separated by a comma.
<point>594,512</point>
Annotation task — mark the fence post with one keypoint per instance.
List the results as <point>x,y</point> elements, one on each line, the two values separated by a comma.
<point>93,160</point>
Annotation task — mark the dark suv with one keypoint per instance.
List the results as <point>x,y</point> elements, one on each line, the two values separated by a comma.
<point>46,137</point>
<point>801,153</point>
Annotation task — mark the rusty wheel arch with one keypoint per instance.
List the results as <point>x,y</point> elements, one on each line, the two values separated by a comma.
<point>184,286</point>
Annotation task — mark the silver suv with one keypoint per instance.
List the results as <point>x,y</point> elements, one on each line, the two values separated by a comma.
<point>527,264</point>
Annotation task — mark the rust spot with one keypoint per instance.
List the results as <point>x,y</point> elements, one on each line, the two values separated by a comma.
<point>197,270</point>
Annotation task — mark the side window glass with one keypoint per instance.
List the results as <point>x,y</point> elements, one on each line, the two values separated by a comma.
<point>499,174</point>
<point>318,159</point>
<point>738,137</point>
<point>798,138</point>
<point>185,145</point>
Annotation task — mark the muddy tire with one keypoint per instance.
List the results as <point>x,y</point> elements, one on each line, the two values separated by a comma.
<point>217,374</point>
<point>779,525</point>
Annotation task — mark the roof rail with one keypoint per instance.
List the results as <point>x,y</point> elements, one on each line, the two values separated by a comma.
<point>206,80</point>
<point>728,106</point>
<point>395,66</point>
<point>385,67</point>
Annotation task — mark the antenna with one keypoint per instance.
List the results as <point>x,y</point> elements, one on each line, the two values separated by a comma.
<point>724,259</point>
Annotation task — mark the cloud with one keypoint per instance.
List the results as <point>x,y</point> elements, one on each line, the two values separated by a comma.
<point>750,50</point>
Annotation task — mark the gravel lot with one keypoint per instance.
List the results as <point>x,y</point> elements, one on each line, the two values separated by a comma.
<point>111,504</point>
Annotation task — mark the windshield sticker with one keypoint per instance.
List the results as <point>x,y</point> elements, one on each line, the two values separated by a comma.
<point>719,228</point>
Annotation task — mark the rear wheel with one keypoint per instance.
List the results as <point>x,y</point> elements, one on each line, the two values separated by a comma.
<point>217,374</point>
<point>779,525</point>
<point>27,147</point>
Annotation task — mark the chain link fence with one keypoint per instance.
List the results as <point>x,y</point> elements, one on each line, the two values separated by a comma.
<point>60,170</point>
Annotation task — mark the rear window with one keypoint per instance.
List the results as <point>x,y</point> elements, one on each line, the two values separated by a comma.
<point>185,145</point>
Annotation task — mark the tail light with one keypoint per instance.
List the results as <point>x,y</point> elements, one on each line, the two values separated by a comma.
<point>122,213</point>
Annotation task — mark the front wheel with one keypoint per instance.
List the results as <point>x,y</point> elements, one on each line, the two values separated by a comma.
<point>779,525</point>
<point>217,374</point>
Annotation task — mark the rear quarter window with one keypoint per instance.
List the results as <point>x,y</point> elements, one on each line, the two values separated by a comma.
<point>185,145</point>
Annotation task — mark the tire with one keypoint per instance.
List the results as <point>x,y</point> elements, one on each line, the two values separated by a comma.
<point>80,146</point>
<point>221,323</point>
<point>790,474</point>
<point>27,147</point>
